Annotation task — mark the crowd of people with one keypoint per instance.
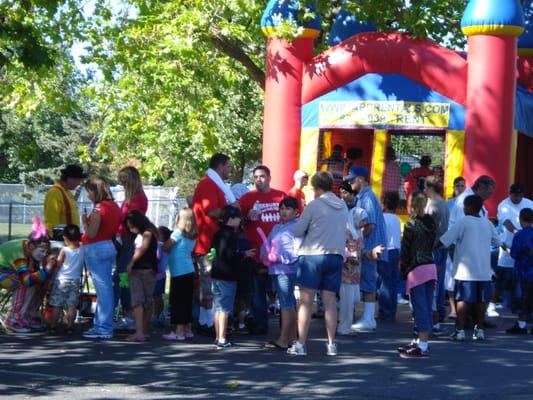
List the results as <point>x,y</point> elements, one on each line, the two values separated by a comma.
<point>234,252</point>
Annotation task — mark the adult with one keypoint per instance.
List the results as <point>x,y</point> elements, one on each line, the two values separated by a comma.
<point>484,187</point>
<point>438,209</point>
<point>323,228</point>
<point>260,207</point>
<point>374,233</point>
<point>414,182</point>
<point>508,217</point>
<point>60,207</point>
<point>100,228</point>
<point>210,196</point>
<point>300,181</point>
<point>134,200</point>
<point>336,157</point>
<point>459,186</point>
<point>23,266</point>
<point>392,178</point>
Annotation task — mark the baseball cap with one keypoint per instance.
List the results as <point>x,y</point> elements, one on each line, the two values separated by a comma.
<point>516,188</point>
<point>355,171</point>
<point>73,171</point>
<point>299,175</point>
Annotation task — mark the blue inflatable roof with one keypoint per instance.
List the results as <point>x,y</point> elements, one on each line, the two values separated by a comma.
<point>345,26</point>
<point>277,11</point>
<point>496,17</point>
<point>525,41</point>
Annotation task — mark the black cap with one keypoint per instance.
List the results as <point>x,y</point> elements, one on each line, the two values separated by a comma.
<point>516,188</point>
<point>73,171</point>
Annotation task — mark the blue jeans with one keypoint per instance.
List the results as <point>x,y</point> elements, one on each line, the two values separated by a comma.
<point>259,302</point>
<point>422,300</point>
<point>284,284</point>
<point>99,257</point>
<point>389,274</point>
<point>124,256</point>
<point>439,256</point>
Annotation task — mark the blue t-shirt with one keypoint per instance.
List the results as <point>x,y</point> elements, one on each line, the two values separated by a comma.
<point>180,256</point>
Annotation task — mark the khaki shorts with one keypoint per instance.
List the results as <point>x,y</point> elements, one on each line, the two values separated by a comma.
<point>203,266</point>
<point>142,284</point>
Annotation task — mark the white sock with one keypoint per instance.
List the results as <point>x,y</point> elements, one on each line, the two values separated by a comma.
<point>222,341</point>
<point>423,345</point>
<point>209,317</point>
<point>368,311</point>
<point>522,324</point>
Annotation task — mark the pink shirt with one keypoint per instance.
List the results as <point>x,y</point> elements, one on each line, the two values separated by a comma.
<point>420,275</point>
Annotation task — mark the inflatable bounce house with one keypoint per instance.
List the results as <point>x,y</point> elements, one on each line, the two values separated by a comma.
<point>369,90</point>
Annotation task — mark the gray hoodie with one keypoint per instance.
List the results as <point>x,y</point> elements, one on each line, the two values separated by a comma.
<point>322,226</point>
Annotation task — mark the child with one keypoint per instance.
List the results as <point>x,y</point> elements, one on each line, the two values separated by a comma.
<point>472,236</point>
<point>418,268</point>
<point>66,289</point>
<point>349,293</point>
<point>522,252</point>
<point>389,271</point>
<point>281,261</point>
<point>225,270</point>
<point>161,277</point>
<point>142,271</point>
<point>180,246</point>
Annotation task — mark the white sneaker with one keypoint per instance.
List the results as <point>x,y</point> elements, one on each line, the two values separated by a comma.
<point>297,349</point>
<point>491,310</point>
<point>364,325</point>
<point>478,334</point>
<point>401,300</point>
<point>459,335</point>
<point>331,349</point>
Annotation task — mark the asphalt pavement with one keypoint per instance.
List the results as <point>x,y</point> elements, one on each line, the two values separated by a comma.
<point>368,367</point>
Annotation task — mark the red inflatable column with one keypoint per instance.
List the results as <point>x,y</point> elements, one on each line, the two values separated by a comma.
<point>490,112</point>
<point>283,103</point>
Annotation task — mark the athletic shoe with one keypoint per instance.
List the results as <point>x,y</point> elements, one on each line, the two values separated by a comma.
<point>15,327</point>
<point>224,345</point>
<point>403,349</point>
<point>415,352</point>
<point>364,326</point>
<point>96,334</point>
<point>498,306</point>
<point>331,349</point>
<point>516,330</point>
<point>297,349</point>
<point>491,311</point>
<point>478,334</point>
<point>402,300</point>
<point>173,336</point>
<point>459,335</point>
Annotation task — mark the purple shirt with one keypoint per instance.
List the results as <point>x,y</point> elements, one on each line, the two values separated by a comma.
<point>285,246</point>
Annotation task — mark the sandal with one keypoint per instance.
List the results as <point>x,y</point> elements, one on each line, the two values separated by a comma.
<point>272,345</point>
<point>133,338</point>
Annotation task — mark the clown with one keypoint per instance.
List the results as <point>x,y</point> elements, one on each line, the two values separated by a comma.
<point>25,265</point>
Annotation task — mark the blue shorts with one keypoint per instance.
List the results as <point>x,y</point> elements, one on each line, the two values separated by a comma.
<point>369,276</point>
<point>473,291</point>
<point>223,295</point>
<point>320,272</point>
<point>284,285</point>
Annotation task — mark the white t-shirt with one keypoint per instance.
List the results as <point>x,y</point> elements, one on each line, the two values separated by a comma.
<point>507,210</point>
<point>472,237</point>
<point>72,265</point>
<point>394,231</point>
<point>458,210</point>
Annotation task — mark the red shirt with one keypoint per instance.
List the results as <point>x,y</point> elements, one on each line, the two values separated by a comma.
<point>268,205</point>
<point>138,202</point>
<point>207,197</point>
<point>299,195</point>
<point>111,218</point>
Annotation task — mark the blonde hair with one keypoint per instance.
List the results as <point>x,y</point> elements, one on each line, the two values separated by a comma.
<point>100,188</point>
<point>131,182</point>
<point>186,223</point>
<point>418,204</point>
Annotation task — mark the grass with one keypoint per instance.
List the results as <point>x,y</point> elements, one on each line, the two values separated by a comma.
<point>18,231</point>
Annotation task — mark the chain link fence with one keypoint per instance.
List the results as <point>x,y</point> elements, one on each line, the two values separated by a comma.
<point>19,203</point>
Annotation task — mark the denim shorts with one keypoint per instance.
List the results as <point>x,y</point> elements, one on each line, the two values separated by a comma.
<point>320,272</point>
<point>473,291</point>
<point>284,285</point>
<point>369,276</point>
<point>65,292</point>
<point>223,295</point>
